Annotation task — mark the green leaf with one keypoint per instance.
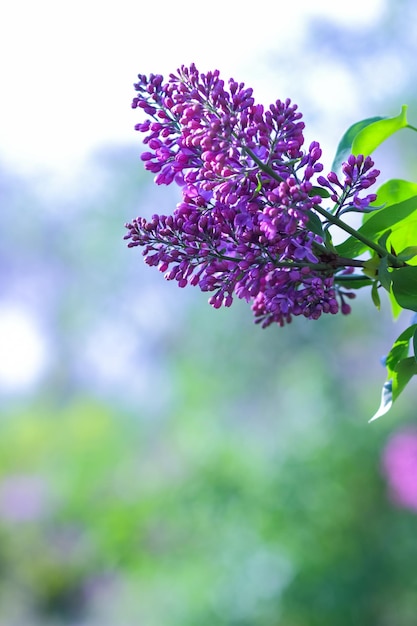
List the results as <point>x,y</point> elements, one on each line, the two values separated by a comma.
<point>365,136</point>
<point>403,239</point>
<point>375,295</point>
<point>378,222</point>
<point>386,401</point>
<point>399,350</point>
<point>371,136</point>
<point>319,191</point>
<point>329,241</point>
<point>400,368</point>
<point>396,309</point>
<point>404,287</point>
<point>405,370</point>
<point>384,238</point>
<point>384,274</point>
<point>344,149</point>
<point>395,191</point>
<point>408,253</point>
<point>315,225</point>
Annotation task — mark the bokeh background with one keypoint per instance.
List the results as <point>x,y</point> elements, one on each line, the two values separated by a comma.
<point>163,463</point>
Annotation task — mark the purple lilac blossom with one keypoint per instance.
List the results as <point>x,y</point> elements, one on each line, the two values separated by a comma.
<point>399,465</point>
<point>358,176</point>
<point>242,227</point>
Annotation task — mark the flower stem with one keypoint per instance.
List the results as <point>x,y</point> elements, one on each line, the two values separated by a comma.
<point>333,219</point>
<point>263,166</point>
<point>382,252</point>
<point>352,278</point>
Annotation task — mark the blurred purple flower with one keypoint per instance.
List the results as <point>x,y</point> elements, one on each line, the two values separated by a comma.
<point>399,465</point>
<point>23,498</point>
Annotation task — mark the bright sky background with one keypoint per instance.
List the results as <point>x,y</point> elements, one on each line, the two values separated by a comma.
<point>68,67</point>
<point>67,73</point>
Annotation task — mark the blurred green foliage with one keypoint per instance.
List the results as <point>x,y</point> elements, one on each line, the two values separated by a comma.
<point>255,498</point>
<point>221,474</point>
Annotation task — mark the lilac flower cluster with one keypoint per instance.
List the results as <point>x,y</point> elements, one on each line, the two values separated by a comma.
<point>359,175</point>
<point>246,225</point>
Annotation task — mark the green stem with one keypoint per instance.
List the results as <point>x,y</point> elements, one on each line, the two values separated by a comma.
<point>263,166</point>
<point>333,219</point>
<point>331,266</point>
<point>288,264</point>
<point>345,262</point>
<point>349,278</point>
<point>411,127</point>
<point>380,250</point>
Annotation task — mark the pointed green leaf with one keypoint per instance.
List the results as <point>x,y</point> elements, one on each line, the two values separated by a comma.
<point>351,247</point>
<point>365,136</point>
<point>400,369</point>
<point>378,222</point>
<point>384,274</point>
<point>375,295</point>
<point>386,401</point>
<point>404,287</point>
<point>404,237</point>
<point>315,225</point>
<point>395,191</point>
<point>396,309</point>
<point>405,370</point>
<point>320,191</point>
<point>408,253</point>
<point>399,350</point>
<point>383,239</point>
<point>329,241</point>
<point>344,149</point>
<point>371,136</point>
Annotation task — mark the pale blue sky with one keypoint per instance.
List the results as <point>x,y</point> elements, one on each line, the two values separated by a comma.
<point>68,67</point>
